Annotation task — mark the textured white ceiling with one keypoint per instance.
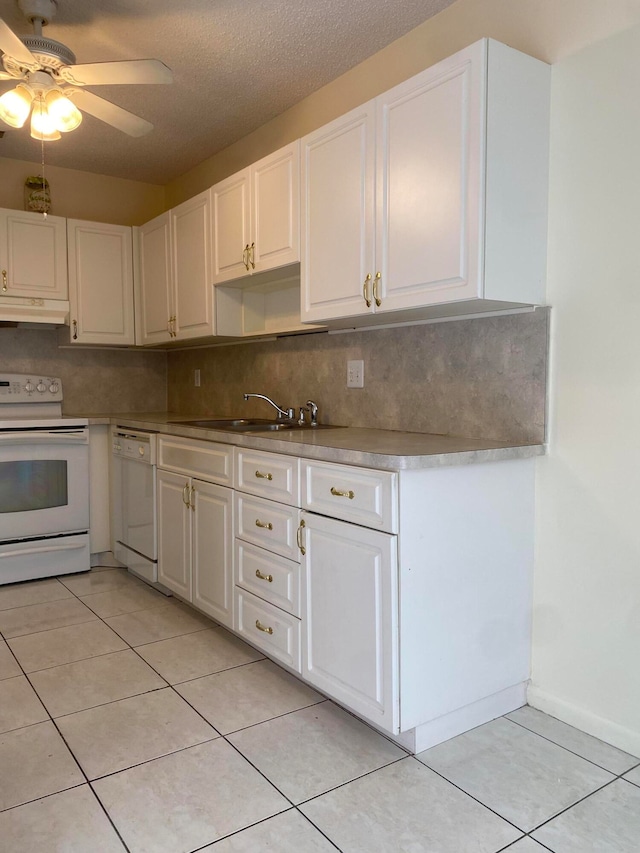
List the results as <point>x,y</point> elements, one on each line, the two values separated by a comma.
<point>236,65</point>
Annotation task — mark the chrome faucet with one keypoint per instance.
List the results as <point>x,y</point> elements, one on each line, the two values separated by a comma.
<point>313,409</point>
<point>283,414</point>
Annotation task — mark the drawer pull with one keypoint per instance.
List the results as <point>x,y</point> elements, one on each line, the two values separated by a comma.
<point>266,525</point>
<point>303,550</point>
<point>262,476</point>
<point>262,577</point>
<point>260,627</point>
<point>338,494</point>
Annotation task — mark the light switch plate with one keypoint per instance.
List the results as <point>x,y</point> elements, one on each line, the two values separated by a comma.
<point>355,374</point>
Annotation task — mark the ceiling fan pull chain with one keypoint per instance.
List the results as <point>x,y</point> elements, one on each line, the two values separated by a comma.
<point>44,182</point>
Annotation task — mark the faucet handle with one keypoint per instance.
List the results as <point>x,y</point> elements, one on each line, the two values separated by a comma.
<point>313,409</point>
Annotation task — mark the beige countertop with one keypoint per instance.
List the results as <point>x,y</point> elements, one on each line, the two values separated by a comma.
<point>370,448</point>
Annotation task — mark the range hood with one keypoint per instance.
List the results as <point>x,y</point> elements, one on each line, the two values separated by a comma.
<point>16,310</point>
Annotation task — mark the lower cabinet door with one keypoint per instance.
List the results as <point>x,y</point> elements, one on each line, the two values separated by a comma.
<point>174,532</point>
<point>213,550</point>
<point>350,617</point>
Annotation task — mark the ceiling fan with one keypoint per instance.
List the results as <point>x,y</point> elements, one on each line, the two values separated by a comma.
<point>50,83</point>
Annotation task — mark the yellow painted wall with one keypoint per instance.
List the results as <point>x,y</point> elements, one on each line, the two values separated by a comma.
<point>547,29</point>
<point>82,195</point>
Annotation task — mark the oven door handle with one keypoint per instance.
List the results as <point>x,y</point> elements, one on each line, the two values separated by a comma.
<point>43,437</point>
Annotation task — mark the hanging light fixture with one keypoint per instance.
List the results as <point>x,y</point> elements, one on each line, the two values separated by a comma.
<point>52,113</point>
<point>15,106</point>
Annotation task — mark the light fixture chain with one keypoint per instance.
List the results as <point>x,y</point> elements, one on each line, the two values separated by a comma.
<point>44,182</point>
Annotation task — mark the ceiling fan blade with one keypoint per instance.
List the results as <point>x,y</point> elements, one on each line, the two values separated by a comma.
<point>11,45</point>
<point>126,71</point>
<point>111,114</point>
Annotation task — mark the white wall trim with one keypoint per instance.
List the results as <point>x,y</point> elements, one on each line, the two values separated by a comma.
<point>626,739</point>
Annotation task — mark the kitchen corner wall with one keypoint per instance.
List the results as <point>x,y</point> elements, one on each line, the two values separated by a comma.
<point>93,380</point>
<point>483,378</point>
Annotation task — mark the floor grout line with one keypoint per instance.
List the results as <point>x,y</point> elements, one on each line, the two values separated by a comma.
<point>571,751</point>
<point>226,737</point>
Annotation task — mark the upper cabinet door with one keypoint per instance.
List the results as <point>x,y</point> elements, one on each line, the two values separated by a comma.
<point>275,210</point>
<point>100,283</point>
<point>337,239</point>
<point>430,154</point>
<point>231,211</point>
<point>460,193</point>
<point>156,297</point>
<point>191,251</point>
<point>33,255</point>
<point>256,217</point>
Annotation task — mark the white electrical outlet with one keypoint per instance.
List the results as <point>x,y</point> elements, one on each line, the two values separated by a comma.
<point>196,378</point>
<point>355,374</point>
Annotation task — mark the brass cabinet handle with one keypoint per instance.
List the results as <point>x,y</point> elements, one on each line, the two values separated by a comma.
<point>245,257</point>
<point>264,628</point>
<point>376,282</point>
<point>171,327</point>
<point>192,499</point>
<point>4,281</point>
<point>301,527</point>
<point>365,290</point>
<point>262,476</point>
<point>342,494</point>
<point>185,495</point>
<point>264,524</point>
<point>268,578</point>
<point>252,256</point>
<point>75,330</point>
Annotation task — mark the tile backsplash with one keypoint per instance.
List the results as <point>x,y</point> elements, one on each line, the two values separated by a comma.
<point>93,380</point>
<point>482,378</point>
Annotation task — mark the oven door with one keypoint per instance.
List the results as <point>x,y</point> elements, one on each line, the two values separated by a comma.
<point>44,482</point>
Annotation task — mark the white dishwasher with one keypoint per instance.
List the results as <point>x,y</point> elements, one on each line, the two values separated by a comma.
<point>133,503</point>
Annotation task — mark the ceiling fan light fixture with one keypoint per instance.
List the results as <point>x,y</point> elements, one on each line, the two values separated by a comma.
<point>64,114</point>
<point>43,127</point>
<point>15,106</point>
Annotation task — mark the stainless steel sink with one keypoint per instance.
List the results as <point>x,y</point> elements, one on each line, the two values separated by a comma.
<point>251,425</point>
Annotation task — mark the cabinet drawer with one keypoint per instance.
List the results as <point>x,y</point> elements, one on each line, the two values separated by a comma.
<point>269,475</point>
<point>352,494</point>
<point>268,524</point>
<point>275,632</point>
<point>203,459</point>
<point>269,576</point>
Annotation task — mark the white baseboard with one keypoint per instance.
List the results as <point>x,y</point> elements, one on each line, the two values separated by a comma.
<point>619,736</point>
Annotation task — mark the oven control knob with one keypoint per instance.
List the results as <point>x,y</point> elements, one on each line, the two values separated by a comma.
<point>54,387</point>
<point>41,387</point>
<point>29,387</point>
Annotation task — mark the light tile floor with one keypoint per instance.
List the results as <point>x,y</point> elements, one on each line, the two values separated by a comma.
<point>130,722</point>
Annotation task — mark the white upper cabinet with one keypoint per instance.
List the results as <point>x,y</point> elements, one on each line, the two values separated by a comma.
<point>156,280</point>
<point>256,217</point>
<point>33,255</point>
<point>191,252</point>
<point>175,273</point>
<point>433,194</point>
<point>100,283</point>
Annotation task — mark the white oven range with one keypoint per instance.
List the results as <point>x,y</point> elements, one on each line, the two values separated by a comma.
<point>44,481</point>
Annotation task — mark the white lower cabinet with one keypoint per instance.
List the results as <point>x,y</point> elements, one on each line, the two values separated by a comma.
<point>267,553</point>
<point>350,633</point>
<point>404,595</point>
<point>195,536</point>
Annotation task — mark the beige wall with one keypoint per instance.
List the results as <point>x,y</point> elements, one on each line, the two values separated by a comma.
<point>586,651</point>
<point>82,195</point>
<point>547,29</point>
